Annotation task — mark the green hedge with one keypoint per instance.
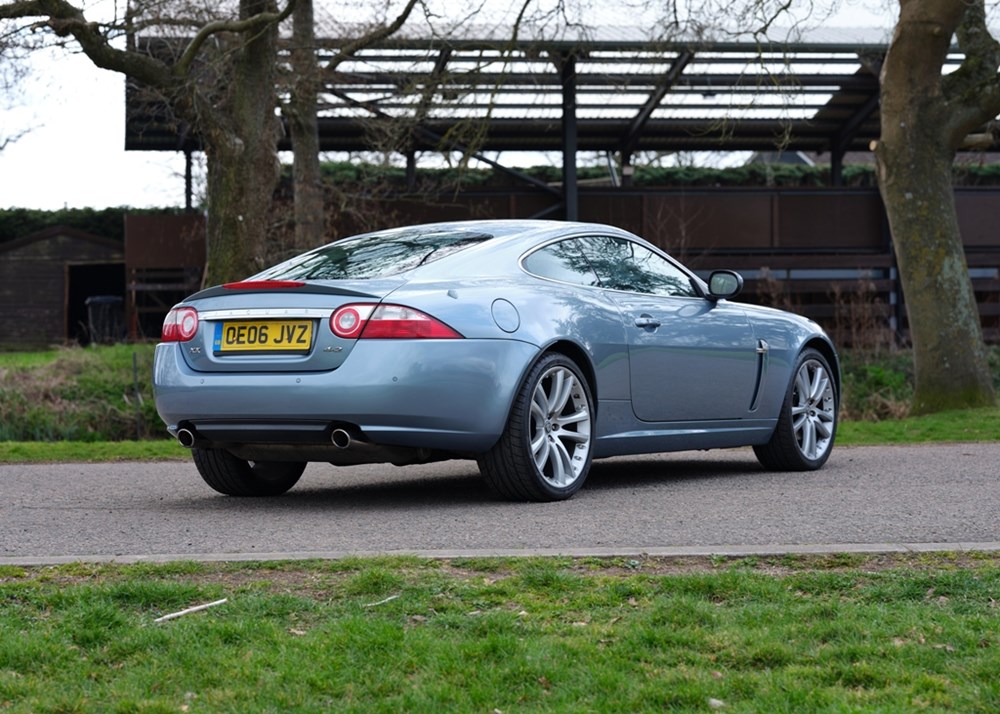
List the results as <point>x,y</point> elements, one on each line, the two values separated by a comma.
<point>357,174</point>
<point>104,222</point>
<point>110,223</point>
<point>749,175</point>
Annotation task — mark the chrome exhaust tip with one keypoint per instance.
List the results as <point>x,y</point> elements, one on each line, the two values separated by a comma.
<point>341,438</point>
<point>186,438</point>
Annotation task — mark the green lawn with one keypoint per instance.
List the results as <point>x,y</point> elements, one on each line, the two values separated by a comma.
<point>91,451</point>
<point>821,634</point>
<point>838,633</point>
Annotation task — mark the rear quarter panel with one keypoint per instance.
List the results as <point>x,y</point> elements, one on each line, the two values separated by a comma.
<point>544,315</point>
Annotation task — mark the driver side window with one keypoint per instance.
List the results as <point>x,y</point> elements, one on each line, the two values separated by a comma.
<point>622,264</point>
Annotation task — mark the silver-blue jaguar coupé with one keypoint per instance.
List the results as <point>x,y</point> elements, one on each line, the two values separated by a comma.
<point>532,347</point>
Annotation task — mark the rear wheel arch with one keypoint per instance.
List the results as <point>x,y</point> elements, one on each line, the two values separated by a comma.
<point>573,351</point>
<point>545,450</point>
<point>582,360</point>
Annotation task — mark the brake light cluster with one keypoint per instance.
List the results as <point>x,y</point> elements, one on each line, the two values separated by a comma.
<point>264,285</point>
<point>353,321</point>
<point>370,321</point>
<point>180,325</point>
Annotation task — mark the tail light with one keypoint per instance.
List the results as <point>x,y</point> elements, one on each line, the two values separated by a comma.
<point>387,322</point>
<point>180,324</point>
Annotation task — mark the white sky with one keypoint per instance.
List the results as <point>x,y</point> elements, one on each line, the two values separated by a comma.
<point>72,154</point>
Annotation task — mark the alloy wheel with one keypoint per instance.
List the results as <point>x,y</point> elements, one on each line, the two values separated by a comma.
<point>814,409</point>
<point>560,426</point>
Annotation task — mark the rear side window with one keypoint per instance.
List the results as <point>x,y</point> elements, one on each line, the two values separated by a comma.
<point>563,261</point>
<point>373,256</point>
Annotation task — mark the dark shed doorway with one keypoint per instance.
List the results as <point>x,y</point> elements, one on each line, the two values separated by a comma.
<point>104,319</point>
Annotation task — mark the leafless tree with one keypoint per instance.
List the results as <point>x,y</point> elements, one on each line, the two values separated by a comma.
<point>12,73</point>
<point>306,70</point>
<point>926,118</point>
<point>219,79</point>
<point>299,111</point>
<point>213,67</point>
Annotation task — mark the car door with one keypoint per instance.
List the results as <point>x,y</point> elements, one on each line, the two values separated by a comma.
<point>690,358</point>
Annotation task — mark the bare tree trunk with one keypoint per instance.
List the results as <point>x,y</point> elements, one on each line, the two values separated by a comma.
<point>915,155</point>
<point>227,95</point>
<point>949,357</point>
<point>300,111</point>
<point>241,148</point>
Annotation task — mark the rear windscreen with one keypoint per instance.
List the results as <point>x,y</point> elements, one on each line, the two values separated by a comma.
<point>375,255</point>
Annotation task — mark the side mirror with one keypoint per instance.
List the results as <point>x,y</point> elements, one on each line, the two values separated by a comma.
<point>724,284</point>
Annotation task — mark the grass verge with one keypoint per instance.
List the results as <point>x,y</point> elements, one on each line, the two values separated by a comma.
<point>848,633</point>
<point>954,426</point>
<point>12,452</point>
<point>99,393</point>
<point>972,425</point>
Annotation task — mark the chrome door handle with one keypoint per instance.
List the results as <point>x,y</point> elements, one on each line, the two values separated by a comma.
<point>646,321</point>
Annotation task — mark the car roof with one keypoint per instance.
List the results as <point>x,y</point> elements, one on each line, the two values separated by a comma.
<point>500,255</point>
<point>507,227</point>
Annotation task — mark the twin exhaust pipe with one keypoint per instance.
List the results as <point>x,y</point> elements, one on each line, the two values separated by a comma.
<point>341,438</point>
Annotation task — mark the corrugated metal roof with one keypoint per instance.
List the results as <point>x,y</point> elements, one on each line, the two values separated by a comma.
<point>485,91</point>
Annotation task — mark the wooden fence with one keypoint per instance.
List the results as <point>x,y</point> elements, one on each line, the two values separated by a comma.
<point>825,253</point>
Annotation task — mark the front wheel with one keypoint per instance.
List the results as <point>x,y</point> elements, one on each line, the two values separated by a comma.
<point>545,451</point>
<point>807,425</point>
<point>238,477</point>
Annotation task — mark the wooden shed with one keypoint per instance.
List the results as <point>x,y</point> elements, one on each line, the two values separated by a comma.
<point>46,280</point>
<point>164,262</point>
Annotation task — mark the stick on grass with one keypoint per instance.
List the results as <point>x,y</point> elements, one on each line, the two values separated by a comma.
<point>196,608</point>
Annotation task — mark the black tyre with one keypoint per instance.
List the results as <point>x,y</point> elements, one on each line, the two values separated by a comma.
<point>545,451</point>
<point>237,477</point>
<point>807,425</point>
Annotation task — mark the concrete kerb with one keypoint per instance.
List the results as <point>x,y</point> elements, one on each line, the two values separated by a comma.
<point>727,551</point>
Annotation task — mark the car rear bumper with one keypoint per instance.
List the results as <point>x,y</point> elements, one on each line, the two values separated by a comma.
<point>439,394</point>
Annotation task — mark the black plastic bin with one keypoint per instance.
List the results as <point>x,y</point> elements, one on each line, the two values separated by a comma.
<point>105,318</point>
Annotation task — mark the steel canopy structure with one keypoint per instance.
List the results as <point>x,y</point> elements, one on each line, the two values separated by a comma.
<point>610,90</point>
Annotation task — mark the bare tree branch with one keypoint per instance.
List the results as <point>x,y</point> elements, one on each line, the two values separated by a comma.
<point>369,39</point>
<point>24,8</point>
<point>6,141</point>
<point>972,92</point>
<point>250,24</point>
<point>65,19</point>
